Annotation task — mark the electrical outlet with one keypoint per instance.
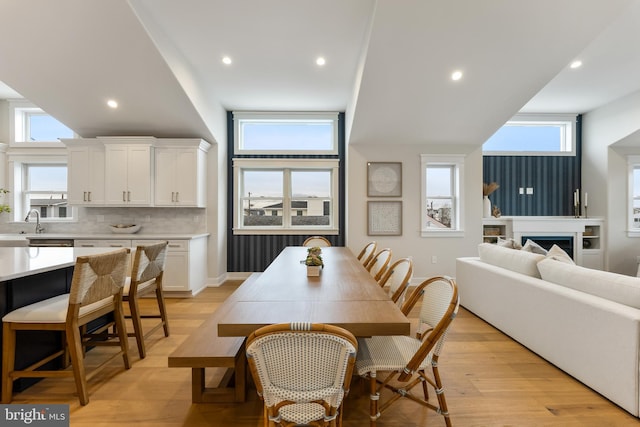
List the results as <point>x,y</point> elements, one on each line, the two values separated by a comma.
<point>147,218</point>
<point>99,218</point>
<point>434,259</point>
<point>521,190</point>
<point>529,190</point>
<point>196,218</point>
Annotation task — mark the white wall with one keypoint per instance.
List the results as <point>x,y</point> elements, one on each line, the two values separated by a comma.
<point>410,243</point>
<point>604,175</point>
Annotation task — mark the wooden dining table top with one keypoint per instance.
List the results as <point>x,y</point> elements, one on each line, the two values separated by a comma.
<point>345,294</point>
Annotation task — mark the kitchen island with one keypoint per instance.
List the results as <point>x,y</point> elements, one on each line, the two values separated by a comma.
<point>29,275</point>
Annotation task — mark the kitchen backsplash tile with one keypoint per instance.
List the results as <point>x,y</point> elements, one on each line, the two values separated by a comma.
<point>98,220</point>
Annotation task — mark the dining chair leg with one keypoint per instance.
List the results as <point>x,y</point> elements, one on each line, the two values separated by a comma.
<point>136,320</point>
<point>442,402</point>
<point>163,310</point>
<point>373,396</point>
<point>122,334</point>
<point>8,361</point>
<point>76,352</point>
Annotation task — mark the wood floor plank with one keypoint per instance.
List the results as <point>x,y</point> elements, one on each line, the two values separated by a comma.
<point>489,380</point>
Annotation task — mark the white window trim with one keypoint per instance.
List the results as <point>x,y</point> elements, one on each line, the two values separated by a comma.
<point>568,121</point>
<point>285,116</point>
<point>18,110</point>
<point>280,164</point>
<point>632,161</point>
<point>456,160</point>
<point>15,176</point>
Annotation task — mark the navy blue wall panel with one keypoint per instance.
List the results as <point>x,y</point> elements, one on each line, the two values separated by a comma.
<point>553,179</point>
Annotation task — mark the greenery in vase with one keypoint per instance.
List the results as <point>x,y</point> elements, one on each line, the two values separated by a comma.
<point>314,257</point>
<point>4,207</point>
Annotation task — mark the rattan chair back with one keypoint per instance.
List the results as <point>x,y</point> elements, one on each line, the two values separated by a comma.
<point>302,371</point>
<point>397,279</point>
<point>318,241</point>
<point>378,265</point>
<point>366,254</point>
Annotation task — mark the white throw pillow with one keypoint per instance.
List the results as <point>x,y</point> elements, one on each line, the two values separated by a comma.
<point>558,254</point>
<point>509,243</point>
<point>518,261</point>
<point>531,246</point>
<point>612,286</point>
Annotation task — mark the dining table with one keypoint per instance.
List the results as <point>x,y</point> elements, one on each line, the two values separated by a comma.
<point>344,294</point>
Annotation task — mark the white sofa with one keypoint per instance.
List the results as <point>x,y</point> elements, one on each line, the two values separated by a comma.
<point>593,333</point>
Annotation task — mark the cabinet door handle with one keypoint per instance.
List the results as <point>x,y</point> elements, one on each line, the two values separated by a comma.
<point>173,196</point>
<point>177,196</point>
<point>115,245</point>
<point>128,196</point>
<point>84,196</point>
<point>124,196</point>
<point>89,196</point>
<point>87,245</point>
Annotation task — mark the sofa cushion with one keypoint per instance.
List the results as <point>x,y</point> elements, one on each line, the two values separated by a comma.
<point>558,254</point>
<point>509,243</point>
<point>519,261</point>
<point>612,286</point>
<point>531,246</point>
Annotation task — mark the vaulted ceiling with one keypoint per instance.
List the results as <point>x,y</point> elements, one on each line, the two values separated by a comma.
<point>388,62</point>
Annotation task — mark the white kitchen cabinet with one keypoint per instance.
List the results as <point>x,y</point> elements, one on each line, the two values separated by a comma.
<point>180,172</point>
<point>85,176</point>
<point>102,243</point>
<point>128,171</point>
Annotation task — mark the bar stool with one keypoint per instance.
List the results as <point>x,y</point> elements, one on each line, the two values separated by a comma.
<point>146,277</point>
<point>96,290</point>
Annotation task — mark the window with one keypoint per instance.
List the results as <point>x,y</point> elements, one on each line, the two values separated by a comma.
<point>534,134</point>
<point>39,182</point>
<point>285,133</point>
<point>634,195</point>
<point>31,126</point>
<point>292,196</point>
<point>442,195</point>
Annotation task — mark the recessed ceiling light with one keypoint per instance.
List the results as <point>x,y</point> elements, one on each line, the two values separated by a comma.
<point>456,75</point>
<point>112,103</point>
<point>320,61</point>
<point>576,64</point>
<point>226,60</point>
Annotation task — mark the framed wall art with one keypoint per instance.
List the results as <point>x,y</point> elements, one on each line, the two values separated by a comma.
<point>384,218</point>
<point>384,179</point>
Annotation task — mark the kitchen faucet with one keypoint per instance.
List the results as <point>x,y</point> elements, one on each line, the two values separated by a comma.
<point>39,228</point>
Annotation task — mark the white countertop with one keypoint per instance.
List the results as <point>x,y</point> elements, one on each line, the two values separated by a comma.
<point>24,261</point>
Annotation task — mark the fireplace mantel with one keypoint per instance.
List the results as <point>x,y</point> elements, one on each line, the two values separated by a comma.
<point>587,234</point>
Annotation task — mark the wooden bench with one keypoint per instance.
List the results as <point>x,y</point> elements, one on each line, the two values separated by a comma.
<point>205,349</point>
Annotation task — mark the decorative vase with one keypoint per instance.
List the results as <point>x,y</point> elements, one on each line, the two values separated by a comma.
<point>486,207</point>
<point>313,270</point>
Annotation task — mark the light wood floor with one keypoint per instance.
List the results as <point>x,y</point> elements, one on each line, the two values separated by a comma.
<point>489,381</point>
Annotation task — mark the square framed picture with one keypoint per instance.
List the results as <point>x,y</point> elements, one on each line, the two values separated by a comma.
<point>384,218</point>
<point>384,179</point>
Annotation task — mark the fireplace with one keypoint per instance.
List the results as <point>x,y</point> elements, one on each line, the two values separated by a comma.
<point>564,242</point>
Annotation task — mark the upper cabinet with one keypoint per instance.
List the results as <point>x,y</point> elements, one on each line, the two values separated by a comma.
<point>137,171</point>
<point>85,163</point>
<point>180,172</point>
<point>128,168</point>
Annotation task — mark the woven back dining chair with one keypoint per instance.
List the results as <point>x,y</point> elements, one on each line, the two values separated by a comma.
<point>314,241</point>
<point>379,263</point>
<point>366,254</point>
<point>146,278</point>
<point>397,278</point>
<point>397,364</point>
<point>96,291</point>
<point>302,372</point>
